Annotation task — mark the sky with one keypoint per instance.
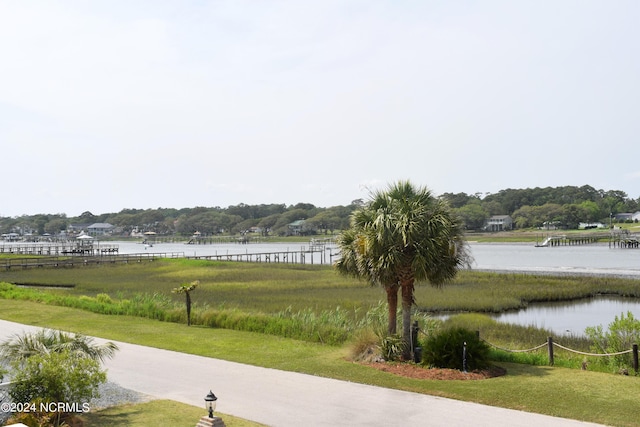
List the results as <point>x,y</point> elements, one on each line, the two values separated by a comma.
<point>108,105</point>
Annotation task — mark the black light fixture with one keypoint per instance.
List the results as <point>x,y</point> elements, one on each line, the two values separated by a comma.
<point>210,403</point>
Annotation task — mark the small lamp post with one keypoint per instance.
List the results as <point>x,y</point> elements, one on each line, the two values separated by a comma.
<point>464,357</point>
<point>210,403</point>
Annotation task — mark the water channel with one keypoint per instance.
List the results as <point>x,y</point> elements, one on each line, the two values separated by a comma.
<point>561,318</point>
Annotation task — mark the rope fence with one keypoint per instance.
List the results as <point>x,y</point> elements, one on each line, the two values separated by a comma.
<point>592,354</point>
<point>516,351</point>
<point>550,345</point>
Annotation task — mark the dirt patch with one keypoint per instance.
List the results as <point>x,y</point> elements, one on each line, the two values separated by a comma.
<point>418,372</point>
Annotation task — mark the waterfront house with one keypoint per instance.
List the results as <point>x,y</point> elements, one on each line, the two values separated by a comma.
<point>498,223</point>
<point>100,229</point>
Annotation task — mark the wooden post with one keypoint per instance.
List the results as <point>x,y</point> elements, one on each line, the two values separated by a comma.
<point>550,346</point>
<point>635,357</point>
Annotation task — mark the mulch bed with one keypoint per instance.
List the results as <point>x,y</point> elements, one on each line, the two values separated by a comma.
<point>410,370</point>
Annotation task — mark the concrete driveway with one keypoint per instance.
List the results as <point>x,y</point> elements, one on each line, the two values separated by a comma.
<point>286,399</point>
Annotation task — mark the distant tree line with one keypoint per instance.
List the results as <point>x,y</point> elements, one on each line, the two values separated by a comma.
<point>565,207</point>
<point>272,219</point>
<point>532,207</point>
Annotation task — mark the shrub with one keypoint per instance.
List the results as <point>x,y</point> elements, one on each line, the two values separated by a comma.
<point>365,345</point>
<point>104,299</point>
<point>623,332</point>
<point>392,347</point>
<point>57,377</point>
<point>446,350</point>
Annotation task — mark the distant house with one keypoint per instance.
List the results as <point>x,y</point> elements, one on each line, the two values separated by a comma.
<point>499,223</point>
<point>297,228</point>
<point>627,216</point>
<point>100,229</point>
<point>11,237</point>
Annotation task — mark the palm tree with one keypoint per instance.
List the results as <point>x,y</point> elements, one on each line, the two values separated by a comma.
<point>357,259</point>
<point>186,289</point>
<point>21,347</point>
<point>404,235</point>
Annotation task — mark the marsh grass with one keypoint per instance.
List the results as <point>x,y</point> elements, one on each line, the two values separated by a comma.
<point>332,327</point>
<point>311,303</point>
<point>497,292</point>
<point>271,288</point>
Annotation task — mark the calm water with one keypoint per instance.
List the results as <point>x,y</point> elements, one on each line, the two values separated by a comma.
<point>588,259</point>
<point>560,318</point>
<point>564,318</point>
<point>572,318</point>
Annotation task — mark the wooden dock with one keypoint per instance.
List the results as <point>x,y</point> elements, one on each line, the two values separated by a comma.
<point>73,253</point>
<point>573,239</point>
<point>616,239</point>
<point>624,239</point>
<point>243,240</point>
<point>310,256</point>
<point>58,249</point>
<point>76,261</point>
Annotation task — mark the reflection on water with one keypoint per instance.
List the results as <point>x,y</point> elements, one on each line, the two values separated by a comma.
<point>572,318</point>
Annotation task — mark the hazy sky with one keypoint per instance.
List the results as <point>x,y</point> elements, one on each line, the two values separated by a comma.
<point>107,105</point>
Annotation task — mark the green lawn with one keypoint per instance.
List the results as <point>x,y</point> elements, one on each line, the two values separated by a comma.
<point>596,397</point>
<point>244,294</point>
<point>156,413</point>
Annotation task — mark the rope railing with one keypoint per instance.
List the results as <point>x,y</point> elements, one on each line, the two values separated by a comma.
<point>592,354</point>
<point>515,351</point>
<point>550,344</point>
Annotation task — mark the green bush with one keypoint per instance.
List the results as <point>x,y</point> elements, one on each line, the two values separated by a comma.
<point>104,299</point>
<point>622,333</point>
<point>446,350</point>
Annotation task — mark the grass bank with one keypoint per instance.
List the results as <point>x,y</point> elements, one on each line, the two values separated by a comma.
<point>309,303</point>
<point>596,397</point>
<point>125,302</point>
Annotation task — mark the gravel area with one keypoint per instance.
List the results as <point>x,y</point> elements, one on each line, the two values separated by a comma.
<point>111,394</point>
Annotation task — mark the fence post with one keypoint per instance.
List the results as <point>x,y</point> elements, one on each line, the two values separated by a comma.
<point>550,346</point>
<point>635,357</point>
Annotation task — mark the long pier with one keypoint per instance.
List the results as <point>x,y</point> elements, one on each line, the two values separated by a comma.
<point>57,249</point>
<point>70,254</point>
<point>619,239</point>
<point>76,261</point>
<point>573,239</point>
<point>310,256</point>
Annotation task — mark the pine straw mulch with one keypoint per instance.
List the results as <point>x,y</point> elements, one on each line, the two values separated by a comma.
<point>411,370</point>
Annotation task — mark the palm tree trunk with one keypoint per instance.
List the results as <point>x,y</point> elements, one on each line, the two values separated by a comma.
<point>407,284</point>
<point>392,303</point>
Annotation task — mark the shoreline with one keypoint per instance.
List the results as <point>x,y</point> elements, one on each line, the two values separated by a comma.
<point>561,272</point>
